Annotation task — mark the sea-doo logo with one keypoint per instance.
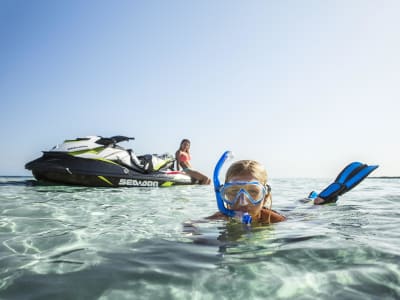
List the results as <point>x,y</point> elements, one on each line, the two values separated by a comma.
<point>134,182</point>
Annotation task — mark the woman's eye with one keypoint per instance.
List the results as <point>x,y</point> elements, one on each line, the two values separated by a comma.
<point>254,193</point>
<point>231,192</point>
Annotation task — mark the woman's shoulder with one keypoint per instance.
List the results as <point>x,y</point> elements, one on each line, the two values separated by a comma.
<point>270,215</point>
<point>179,153</point>
<point>217,216</point>
<point>264,217</point>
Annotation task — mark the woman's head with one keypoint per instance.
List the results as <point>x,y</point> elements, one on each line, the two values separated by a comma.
<point>246,188</point>
<point>185,143</point>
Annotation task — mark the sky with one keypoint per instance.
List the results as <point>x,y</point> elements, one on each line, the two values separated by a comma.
<point>305,87</point>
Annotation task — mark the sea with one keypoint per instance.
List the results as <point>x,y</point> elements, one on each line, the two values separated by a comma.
<point>69,242</point>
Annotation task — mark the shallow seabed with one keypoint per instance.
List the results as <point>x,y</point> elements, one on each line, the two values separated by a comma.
<point>62,242</point>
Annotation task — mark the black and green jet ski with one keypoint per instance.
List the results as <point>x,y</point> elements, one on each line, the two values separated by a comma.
<point>100,162</point>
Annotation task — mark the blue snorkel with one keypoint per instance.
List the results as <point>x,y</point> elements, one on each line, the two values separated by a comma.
<point>245,218</point>
<point>217,185</point>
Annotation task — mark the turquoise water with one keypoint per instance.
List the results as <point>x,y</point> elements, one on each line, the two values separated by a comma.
<point>60,242</point>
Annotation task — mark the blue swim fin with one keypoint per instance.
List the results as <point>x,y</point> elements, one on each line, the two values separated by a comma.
<point>350,176</point>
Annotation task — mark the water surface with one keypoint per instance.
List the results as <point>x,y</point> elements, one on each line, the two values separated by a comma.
<point>63,242</point>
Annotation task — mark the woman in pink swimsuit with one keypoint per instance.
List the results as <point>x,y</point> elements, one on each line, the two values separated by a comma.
<point>183,158</point>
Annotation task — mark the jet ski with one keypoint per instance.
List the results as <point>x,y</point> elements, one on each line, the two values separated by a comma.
<point>100,162</point>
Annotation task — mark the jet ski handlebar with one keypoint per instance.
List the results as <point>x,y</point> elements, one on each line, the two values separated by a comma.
<point>105,141</point>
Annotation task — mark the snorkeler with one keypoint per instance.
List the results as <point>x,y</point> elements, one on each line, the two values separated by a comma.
<point>246,195</point>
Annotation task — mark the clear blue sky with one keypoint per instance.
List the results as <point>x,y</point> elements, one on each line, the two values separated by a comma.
<point>303,86</point>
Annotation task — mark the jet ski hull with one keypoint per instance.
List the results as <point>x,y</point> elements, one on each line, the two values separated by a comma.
<point>66,169</point>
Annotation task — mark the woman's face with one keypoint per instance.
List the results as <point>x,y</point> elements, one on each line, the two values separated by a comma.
<point>243,204</point>
<point>185,146</point>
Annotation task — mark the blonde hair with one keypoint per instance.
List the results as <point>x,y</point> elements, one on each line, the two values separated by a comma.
<point>245,167</point>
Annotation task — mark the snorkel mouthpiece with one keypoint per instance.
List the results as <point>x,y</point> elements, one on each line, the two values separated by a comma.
<point>217,185</point>
<point>246,219</point>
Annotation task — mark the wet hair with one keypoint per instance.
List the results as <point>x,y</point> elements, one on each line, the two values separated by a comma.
<point>245,167</point>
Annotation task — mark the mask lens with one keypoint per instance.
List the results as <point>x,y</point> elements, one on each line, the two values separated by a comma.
<point>230,193</point>
<point>256,192</point>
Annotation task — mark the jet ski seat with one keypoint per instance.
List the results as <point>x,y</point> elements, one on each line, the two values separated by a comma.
<point>135,163</point>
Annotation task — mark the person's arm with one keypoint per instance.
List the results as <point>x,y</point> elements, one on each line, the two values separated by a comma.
<point>217,216</point>
<point>178,165</point>
<point>270,215</point>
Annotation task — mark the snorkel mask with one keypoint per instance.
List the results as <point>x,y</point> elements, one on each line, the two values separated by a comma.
<point>231,192</point>
<point>234,191</point>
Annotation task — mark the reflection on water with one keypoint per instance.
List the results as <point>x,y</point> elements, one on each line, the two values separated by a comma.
<point>98,243</point>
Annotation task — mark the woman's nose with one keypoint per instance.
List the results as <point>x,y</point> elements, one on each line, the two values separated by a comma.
<point>242,200</point>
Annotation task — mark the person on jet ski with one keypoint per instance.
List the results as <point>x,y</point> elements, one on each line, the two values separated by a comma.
<point>183,158</point>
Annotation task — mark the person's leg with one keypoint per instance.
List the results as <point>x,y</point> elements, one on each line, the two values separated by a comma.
<point>203,179</point>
